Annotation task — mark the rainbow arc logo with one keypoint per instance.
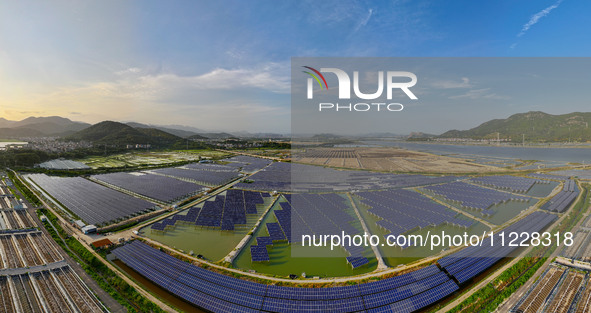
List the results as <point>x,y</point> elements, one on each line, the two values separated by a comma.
<point>317,77</point>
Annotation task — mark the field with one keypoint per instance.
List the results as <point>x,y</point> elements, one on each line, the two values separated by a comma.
<point>390,160</point>
<point>284,261</point>
<point>199,239</point>
<point>137,159</point>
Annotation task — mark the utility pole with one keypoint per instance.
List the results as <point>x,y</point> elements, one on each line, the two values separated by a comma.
<point>523,139</point>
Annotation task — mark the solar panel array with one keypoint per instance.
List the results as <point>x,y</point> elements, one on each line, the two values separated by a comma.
<point>211,167</point>
<point>64,165</point>
<point>511,183</point>
<point>548,176</point>
<point>219,293</point>
<point>560,202</point>
<point>474,197</point>
<point>319,214</point>
<point>259,252</point>
<point>308,178</point>
<point>162,188</point>
<point>247,163</point>
<point>284,218</point>
<point>211,178</point>
<point>93,203</point>
<point>276,176</point>
<point>471,261</point>
<point>404,210</point>
<point>223,211</point>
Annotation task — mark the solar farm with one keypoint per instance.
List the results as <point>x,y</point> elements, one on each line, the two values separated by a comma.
<point>204,177</point>
<point>388,159</point>
<point>161,188</point>
<point>225,212</point>
<point>220,293</point>
<point>252,214</point>
<point>91,202</point>
<point>63,165</point>
<point>405,293</point>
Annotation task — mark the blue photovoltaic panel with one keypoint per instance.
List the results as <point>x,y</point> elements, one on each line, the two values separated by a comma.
<point>275,232</point>
<point>474,197</point>
<point>92,202</point>
<point>357,261</point>
<point>153,186</point>
<point>259,253</point>
<point>219,293</point>
<point>264,241</point>
<point>471,261</point>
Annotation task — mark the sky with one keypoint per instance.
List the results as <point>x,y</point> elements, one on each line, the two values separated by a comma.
<point>225,65</point>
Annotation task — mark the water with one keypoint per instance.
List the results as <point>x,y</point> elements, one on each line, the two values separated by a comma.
<point>546,154</point>
<point>4,144</point>
<point>160,292</point>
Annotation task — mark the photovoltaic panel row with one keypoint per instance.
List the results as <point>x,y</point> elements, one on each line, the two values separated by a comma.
<point>474,197</point>
<point>92,202</point>
<point>308,178</point>
<point>211,167</point>
<point>403,210</point>
<point>219,293</point>
<point>561,201</point>
<point>157,187</point>
<point>225,211</point>
<point>471,261</point>
<point>507,182</point>
<point>211,178</point>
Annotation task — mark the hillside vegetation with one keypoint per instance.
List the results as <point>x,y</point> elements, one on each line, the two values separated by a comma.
<point>535,125</point>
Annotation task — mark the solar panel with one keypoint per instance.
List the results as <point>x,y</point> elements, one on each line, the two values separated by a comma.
<point>219,293</point>
<point>91,202</point>
<point>259,253</point>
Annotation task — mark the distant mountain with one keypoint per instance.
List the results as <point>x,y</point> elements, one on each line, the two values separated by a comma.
<point>217,135</point>
<point>419,136</point>
<point>19,132</point>
<point>114,133</point>
<point>534,125</point>
<point>326,136</point>
<point>197,137</point>
<point>245,134</point>
<point>177,132</point>
<point>41,126</point>
<point>383,135</point>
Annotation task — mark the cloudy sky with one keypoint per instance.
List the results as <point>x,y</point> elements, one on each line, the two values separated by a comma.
<point>225,65</point>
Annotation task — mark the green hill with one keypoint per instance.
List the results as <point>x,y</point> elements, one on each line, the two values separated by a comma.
<point>536,126</point>
<point>19,132</point>
<point>40,127</point>
<point>114,133</point>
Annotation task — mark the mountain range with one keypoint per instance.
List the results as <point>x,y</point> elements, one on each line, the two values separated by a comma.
<point>55,126</point>
<point>40,126</point>
<point>114,133</point>
<point>531,126</point>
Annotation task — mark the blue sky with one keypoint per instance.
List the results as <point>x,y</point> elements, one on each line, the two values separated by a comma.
<point>225,65</point>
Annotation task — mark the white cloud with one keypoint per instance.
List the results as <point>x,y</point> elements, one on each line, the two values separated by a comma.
<point>364,21</point>
<point>135,84</point>
<point>131,70</point>
<point>536,17</point>
<point>477,94</point>
<point>450,84</point>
